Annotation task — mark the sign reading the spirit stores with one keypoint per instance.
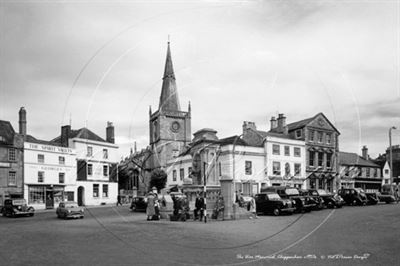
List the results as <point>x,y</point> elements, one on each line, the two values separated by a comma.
<point>48,148</point>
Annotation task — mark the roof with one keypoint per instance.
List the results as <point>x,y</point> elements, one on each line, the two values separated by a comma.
<point>349,158</point>
<point>304,122</point>
<point>32,139</point>
<point>7,132</point>
<point>278,135</point>
<point>232,140</point>
<point>82,133</point>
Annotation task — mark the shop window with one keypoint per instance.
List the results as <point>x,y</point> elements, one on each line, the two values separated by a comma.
<point>12,179</point>
<point>40,158</point>
<point>11,154</point>
<point>181,174</point>
<point>173,175</point>
<point>275,149</point>
<point>276,168</point>
<point>40,177</point>
<point>297,169</point>
<point>90,169</point>
<point>248,167</point>
<point>95,190</point>
<point>36,194</point>
<point>297,152</point>
<point>287,151</point>
<point>105,154</point>
<point>61,178</point>
<point>89,151</point>
<point>105,191</point>
<point>105,170</point>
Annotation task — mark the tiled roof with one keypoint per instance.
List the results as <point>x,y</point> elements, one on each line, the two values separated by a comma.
<point>32,139</point>
<point>278,135</point>
<point>349,158</point>
<point>82,133</point>
<point>231,140</point>
<point>6,132</point>
<point>299,124</point>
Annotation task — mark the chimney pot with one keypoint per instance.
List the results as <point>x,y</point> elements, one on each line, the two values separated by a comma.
<point>22,121</point>
<point>274,124</point>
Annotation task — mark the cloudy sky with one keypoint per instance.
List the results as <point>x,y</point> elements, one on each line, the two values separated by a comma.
<point>96,61</point>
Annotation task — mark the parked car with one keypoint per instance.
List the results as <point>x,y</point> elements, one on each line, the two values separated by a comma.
<point>313,198</point>
<point>372,198</point>
<point>389,193</point>
<point>139,204</point>
<point>271,202</point>
<point>353,196</point>
<point>329,200</point>
<point>302,203</point>
<point>69,209</point>
<point>17,207</point>
<point>387,198</point>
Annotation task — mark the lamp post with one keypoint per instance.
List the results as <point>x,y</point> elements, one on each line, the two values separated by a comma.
<point>390,156</point>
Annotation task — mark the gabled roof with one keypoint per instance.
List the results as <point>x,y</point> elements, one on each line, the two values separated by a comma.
<point>6,132</point>
<point>32,139</point>
<point>82,133</point>
<point>305,122</point>
<point>350,158</point>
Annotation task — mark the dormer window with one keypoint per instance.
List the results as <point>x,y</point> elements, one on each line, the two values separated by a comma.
<point>298,133</point>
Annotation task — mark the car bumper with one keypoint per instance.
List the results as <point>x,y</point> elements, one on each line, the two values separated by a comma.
<point>288,209</point>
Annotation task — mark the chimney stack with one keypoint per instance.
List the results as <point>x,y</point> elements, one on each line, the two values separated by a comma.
<point>22,121</point>
<point>281,123</point>
<point>274,124</point>
<point>248,125</point>
<point>110,132</point>
<point>365,152</point>
<point>65,133</point>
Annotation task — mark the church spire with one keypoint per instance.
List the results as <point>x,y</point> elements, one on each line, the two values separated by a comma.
<point>169,93</point>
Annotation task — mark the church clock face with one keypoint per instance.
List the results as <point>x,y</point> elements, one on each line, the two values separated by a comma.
<point>175,126</point>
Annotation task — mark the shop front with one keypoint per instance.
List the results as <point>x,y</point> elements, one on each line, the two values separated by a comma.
<point>46,196</point>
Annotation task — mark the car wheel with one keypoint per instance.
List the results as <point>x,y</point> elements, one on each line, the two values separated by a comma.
<point>354,203</point>
<point>65,216</point>
<point>277,212</point>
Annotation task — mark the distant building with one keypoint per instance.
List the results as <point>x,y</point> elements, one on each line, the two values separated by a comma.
<point>11,158</point>
<point>96,164</point>
<point>359,171</point>
<point>396,162</point>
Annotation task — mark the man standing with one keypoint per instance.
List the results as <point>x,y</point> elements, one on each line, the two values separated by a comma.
<point>199,206</point>
<point>119,200</point>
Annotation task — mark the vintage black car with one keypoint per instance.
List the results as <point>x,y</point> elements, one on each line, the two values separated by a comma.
<point>329,200</point>
<point>139,204</point>
<point>313,198</point>
<point>302,203</point>
<point>353,196</point>
<point>271,202</point>
<point>17,207</point>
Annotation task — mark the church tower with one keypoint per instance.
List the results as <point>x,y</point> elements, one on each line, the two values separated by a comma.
<point>170,128</point>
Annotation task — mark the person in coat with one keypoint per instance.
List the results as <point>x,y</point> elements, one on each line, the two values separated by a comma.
<point>199,207</point>
<point>150,210</point>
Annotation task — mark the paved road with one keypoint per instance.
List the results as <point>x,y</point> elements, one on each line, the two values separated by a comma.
<point>115,236</point>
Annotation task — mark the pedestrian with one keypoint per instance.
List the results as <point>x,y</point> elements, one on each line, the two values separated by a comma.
<point>241,200</point>
<point>253,207</point>
<point>199,207</point>
<point>119,200</point>
<point>220,205</point>
<point>150,210</point>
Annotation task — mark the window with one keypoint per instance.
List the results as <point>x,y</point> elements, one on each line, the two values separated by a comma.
<point>40,177</point>
<point>40,158</point>
<point>219,169</point>
<point>320,184</point>
<point>329,160</point>
<point>61,178</point>
<point>328,138</point>
<point>105,170</point>
<point>105,191</point>
<point>367,172</point>
<point>61,160</point>
<point>359,171</point>
<point>90,169</point>
<point>12,179</point>
<point>105,154</point>
<point>276,168</point>
<point>275,149</point>
<point>189,171</point>
<point>287,151</point>
<point>181,174</point>
<point>287,169</point>
<point>298,133</point>
<point>311,158</point>
<point>11,154</point>
<point>36,194</point>
<point>320,159</point>
<point>386,171</point>
<point>297,169</point>
<point>248,167</point>
<point>297,152</point>
<point>174,175</point>
<point>89,151</point>
<point>376,172</point>
<point>311,135</point>
<point>320,136</point>
<point>95,190</point>
<point>69,195</point>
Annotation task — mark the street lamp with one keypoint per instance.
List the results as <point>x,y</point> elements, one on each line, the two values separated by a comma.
<point>390,156</point>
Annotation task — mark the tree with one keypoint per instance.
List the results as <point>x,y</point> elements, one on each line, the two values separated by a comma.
<point>158,179</point>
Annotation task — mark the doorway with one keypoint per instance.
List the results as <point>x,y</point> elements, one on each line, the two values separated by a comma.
<point>49,198</point>
<point>81,196</point>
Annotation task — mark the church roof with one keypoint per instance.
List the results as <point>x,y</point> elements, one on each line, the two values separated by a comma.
<point>169,94</point>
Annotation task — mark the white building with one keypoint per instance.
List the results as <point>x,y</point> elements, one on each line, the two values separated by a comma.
<point>97,159</point>
<point>49,173</point>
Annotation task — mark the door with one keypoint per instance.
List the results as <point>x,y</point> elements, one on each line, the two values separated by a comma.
<point>81,196</point>
<point>49,198</point>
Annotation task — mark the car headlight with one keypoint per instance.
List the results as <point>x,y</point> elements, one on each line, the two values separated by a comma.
<point>69,211</point>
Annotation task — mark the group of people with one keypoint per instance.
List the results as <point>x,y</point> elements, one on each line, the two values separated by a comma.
<point>250,205</point>
<point>153,206</point>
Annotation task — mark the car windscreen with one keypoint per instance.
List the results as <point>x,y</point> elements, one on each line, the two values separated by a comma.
<point>273,196</point>
<point>71,205</point>
<point>292,191</point>
<point>322,192</point>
